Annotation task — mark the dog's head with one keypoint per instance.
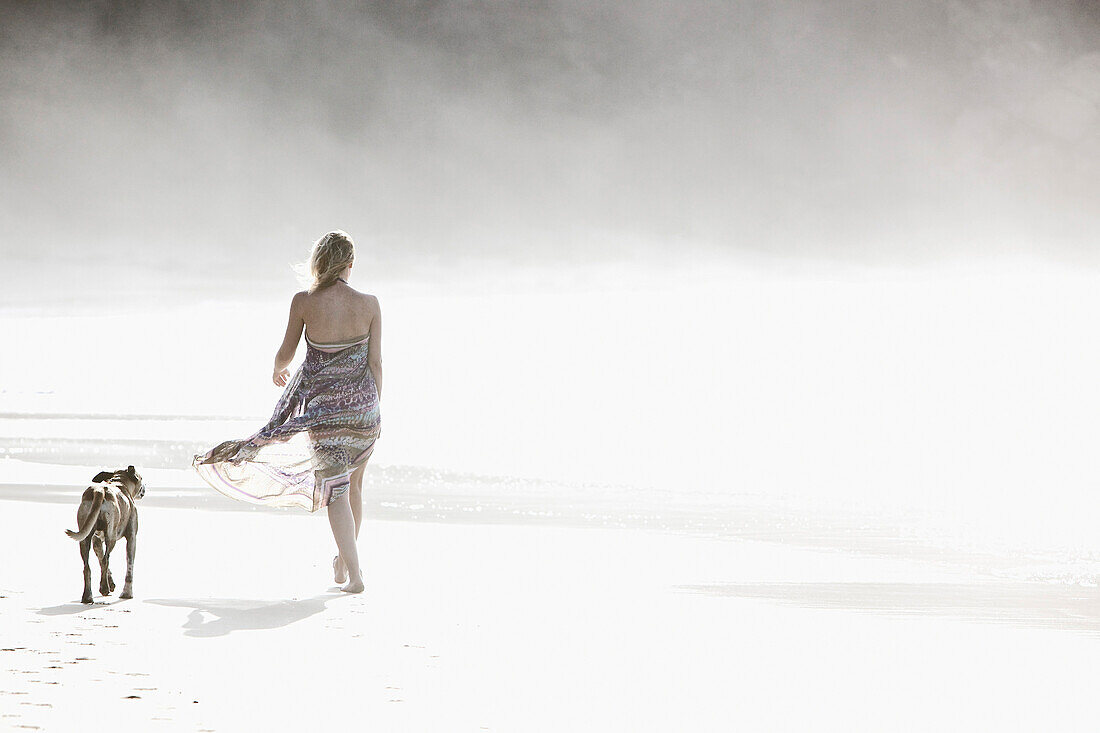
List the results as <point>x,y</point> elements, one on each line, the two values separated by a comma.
<point>129,479</point>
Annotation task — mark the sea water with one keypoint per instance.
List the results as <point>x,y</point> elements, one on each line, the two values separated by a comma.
<point>893,410</point>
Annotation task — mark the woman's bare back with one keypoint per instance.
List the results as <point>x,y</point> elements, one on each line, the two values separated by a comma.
<point>337,314</point>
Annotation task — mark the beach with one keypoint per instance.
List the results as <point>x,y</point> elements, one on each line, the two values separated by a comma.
<point>506,627</point>
<point>738,532</point>
<point>740,364</point>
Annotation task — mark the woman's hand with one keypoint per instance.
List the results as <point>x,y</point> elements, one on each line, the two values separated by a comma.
<point>280,377</point>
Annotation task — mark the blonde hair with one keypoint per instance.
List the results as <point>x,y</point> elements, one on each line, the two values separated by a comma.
<point>328,258</point>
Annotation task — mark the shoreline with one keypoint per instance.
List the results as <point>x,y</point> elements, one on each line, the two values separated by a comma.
<point>427,495</point>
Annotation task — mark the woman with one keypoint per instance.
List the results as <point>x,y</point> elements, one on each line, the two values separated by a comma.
<point>313,451</point>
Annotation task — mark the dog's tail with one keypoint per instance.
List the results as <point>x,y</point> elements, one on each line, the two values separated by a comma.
<point>88,524</point>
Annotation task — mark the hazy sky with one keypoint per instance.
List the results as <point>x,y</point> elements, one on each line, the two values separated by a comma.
<point>198,133</point>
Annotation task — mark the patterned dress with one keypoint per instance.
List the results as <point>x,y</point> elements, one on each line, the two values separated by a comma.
<point>324,427</point>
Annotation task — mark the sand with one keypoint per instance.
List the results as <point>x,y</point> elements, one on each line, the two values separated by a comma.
<point>236,625</point>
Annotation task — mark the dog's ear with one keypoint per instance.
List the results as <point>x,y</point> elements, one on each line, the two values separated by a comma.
<point>102,476</point>
<point>130,470</point>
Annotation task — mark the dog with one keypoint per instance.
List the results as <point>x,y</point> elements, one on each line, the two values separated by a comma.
<point>107,512</point>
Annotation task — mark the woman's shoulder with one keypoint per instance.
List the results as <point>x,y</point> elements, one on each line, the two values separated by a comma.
<point>367,298</point>
<point>300,299</point>
<point>305,299</point>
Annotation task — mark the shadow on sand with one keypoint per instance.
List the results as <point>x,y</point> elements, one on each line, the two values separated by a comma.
<point>1032,605</point>
<point>230,614</point>
<point>76,607</point>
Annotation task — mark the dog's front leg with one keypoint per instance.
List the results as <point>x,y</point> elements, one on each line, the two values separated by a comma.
<point>85,549</point>
<point>131,550</point>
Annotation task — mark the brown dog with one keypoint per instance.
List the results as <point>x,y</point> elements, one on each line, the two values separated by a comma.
<point>107,512</point>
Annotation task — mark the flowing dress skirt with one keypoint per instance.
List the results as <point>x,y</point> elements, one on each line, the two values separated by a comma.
<point>324,427</point>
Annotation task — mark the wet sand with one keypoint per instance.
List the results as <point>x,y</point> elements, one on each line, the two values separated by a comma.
<point>236,624</point>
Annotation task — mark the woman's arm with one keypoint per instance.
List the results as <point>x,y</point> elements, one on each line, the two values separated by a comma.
<point>294,327</point>
<point>374,350</point>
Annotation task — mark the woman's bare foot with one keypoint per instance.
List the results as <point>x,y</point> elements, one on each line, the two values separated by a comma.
<point>339,570</point>
<point>355,586</point>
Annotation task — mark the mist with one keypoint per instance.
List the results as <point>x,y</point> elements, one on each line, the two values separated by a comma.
<point>199,137</point>
<point>740,362</point>
<point>688,245</point>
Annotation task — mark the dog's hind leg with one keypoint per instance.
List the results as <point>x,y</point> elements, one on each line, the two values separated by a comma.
<point>110,577</point>
<point>131,551</point>
<point>106,582</point>
<point>109,546</point>
<point>85,548</point>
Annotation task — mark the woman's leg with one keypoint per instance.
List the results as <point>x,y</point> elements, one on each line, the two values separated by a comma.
<point>355,497</point>
<point>343,530</point>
